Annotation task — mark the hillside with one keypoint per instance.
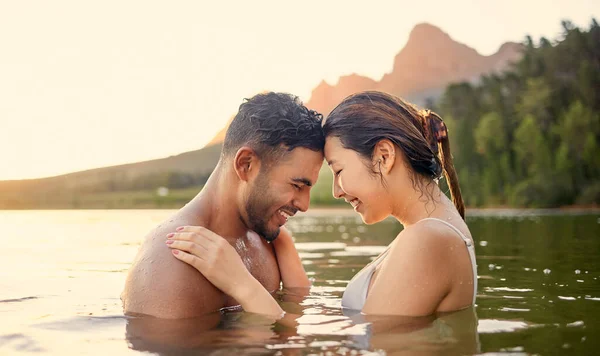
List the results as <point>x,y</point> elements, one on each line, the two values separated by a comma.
<point>179,171</point>
<point>429,61</point>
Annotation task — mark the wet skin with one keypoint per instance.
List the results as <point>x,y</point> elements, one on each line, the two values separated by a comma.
<point>159,285</point>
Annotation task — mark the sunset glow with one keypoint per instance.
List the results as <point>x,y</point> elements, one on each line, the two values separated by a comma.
<point>86,85</point>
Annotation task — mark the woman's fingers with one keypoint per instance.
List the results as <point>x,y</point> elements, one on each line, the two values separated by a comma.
<point>186,236</point>
<point>190,259</point>
<point>195,249</point>
<point>199,230</point>
<point>190,242</point>
<point>199,238</point>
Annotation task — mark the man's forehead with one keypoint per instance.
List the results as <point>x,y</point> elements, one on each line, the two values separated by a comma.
<point>304,155</point>
<point>303,164</point>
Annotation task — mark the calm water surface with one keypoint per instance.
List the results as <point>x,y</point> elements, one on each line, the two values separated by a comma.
<point>61,273</point>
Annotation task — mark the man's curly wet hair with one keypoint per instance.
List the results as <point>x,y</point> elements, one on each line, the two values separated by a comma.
<point>273,124</point>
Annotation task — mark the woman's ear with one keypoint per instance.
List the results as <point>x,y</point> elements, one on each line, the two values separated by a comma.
<point>384,156</point>
<point>246,163</point>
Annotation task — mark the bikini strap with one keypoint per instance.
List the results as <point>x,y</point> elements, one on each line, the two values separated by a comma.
<point>468,241</point>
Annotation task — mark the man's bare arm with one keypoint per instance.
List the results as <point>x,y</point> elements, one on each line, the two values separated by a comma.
<point>290,266</point>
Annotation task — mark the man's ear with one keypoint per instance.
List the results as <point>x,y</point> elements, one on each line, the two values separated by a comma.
<point>246,163</point>
<point>384,156</point>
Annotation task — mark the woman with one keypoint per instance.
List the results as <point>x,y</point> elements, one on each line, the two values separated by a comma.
<point>387,158</point>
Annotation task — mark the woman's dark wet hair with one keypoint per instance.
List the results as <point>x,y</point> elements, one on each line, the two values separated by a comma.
<point>364,119</point>
<point>273,124</point>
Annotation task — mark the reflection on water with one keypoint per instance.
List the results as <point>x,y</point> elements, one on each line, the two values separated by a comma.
<point>323,330</point>
<point>61,273</point>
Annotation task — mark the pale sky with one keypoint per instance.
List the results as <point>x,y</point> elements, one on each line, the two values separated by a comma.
<point>90,84</point>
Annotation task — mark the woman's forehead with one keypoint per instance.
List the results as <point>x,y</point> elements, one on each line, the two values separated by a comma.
<point>335,151</point>
<point>332,145</point>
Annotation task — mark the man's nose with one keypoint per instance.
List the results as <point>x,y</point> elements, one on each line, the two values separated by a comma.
<point>303,200</point>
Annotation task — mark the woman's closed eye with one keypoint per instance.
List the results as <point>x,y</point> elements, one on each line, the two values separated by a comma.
<point>338,173</point>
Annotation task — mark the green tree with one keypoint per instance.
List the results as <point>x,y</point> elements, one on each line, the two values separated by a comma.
<point>492,141</point>
<point>578,155</point>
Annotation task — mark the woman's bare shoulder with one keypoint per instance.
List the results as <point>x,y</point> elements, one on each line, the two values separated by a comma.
<point>427,237</point>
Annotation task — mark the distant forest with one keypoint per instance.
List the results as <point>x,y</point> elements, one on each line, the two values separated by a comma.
<point>529,137</point>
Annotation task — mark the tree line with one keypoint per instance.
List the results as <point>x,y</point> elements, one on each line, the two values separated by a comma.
<point>529,137</point>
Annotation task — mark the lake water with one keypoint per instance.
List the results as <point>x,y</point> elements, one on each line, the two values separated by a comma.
<point>61,274</point>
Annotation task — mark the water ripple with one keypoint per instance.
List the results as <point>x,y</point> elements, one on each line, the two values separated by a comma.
<point>17,300</point>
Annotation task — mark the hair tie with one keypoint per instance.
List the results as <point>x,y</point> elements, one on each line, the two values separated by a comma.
<point>434,128</point>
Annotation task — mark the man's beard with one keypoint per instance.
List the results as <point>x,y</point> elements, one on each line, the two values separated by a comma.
<point>257,208</point>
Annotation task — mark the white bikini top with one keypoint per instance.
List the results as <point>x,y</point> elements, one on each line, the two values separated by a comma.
<point>355,295</point>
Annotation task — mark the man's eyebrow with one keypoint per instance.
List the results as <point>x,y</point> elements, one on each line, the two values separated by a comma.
<point>329,163</point>
<point>304,181</point>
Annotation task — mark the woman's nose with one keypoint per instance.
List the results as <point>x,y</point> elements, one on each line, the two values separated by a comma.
<point>337,190</point>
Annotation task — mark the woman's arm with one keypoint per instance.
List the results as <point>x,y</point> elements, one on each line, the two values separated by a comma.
<point>290,265</point>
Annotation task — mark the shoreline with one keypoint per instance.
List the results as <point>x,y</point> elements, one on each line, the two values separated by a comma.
<point>474,212</point>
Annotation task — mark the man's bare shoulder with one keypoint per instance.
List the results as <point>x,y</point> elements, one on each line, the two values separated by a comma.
<point>160,285</point>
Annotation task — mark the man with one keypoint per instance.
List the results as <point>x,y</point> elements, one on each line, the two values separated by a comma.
<point>271,156</point>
